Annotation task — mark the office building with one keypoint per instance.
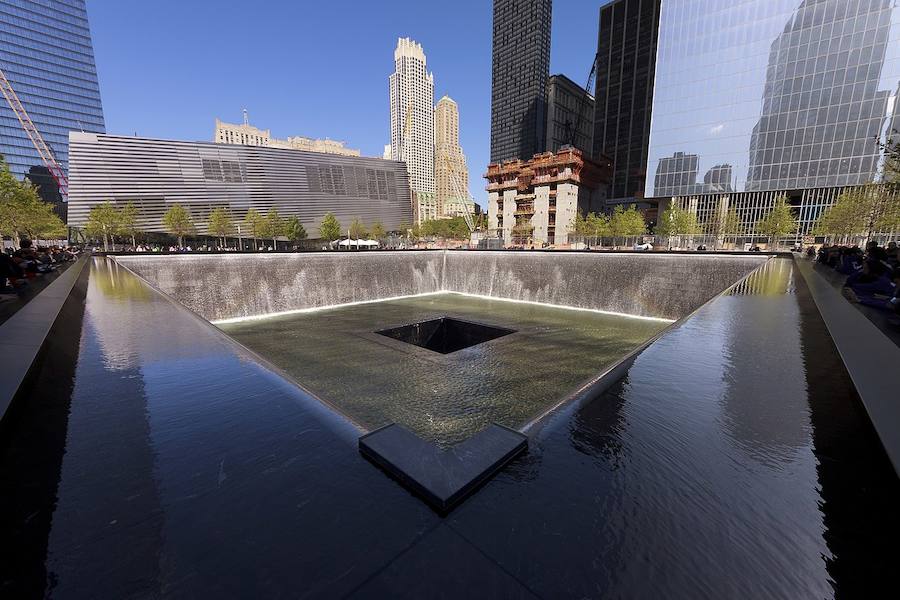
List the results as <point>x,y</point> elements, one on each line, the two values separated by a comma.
<point>412,114</point>
<point>248,135</point>
<point>535,202</point>
<point>779,98</point>
<point>520,67</point>
<point>570,115</point>
<point>450,173</point>
<point>47,56</point>
<point>201,176</point>
<point>626,56</point>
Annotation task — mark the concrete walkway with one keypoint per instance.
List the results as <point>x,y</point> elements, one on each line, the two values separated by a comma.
<point>870,356</point>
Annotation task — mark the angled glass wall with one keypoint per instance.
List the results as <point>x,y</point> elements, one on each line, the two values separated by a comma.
<point>775,94</point>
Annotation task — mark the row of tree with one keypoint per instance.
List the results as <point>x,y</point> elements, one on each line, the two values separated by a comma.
<point>860,213</point>
<point>107,221</point>
<point>22,212</point>
<point>622,223</point>
<point>676,222</point>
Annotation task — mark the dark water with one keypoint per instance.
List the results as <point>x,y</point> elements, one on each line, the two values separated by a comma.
<point>445,398</point>
<point>154,459</point>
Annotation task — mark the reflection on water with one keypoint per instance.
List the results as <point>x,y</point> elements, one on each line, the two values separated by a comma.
<point>443,397</point>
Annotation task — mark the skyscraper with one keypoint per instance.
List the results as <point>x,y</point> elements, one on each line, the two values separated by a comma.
<point>47,56</point>
<point>520,68</point>
<point>626,58</point>
<point>450,172</point>
<point>412,116</point>
<point>570,115</point>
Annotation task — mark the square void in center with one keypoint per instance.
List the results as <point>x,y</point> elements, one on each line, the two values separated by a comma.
<point>445,334</point>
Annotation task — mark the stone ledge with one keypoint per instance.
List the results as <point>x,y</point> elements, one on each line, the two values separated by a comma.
<point>870,357</point>
<point>442,477</point>
<point>23,334</point>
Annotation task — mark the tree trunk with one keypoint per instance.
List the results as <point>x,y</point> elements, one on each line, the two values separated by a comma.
<point>105,242</point>
<point>133,242</point>
<point>180,241</point>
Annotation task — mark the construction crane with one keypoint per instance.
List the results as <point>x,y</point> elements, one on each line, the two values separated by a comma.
<point>34,135</point>
<point>573,134</point>
<point>464,197</point>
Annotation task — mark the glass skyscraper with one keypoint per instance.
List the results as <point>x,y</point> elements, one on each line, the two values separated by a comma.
<point>781,94</point>
<point>47,56</point>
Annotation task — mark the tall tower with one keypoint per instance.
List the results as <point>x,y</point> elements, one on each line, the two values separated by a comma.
<point>450,172</point>
<point>520,68</point>
<point>412,115</point>
<point>47,55</point>
<point>626,58</point>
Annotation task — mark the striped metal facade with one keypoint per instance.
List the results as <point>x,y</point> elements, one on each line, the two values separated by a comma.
<point>155,174</point>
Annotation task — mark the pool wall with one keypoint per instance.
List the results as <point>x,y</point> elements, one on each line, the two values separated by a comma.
<point>220,287</point>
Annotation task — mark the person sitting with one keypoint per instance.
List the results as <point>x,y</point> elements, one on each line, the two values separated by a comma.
<point>873,278</point>
<point>885,298</point>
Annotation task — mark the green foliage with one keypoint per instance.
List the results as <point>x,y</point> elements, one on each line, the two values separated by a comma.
<point>330,228</point>
<point>22,213</point>
<point>732,225</point>
<point>860,212</point>
<point>294,230</point>
<point>220,224</point>
<point>779,221</point>
<point>377,231</point>
<point>255,224</point>
<point>358,230</point>
<point>128,216</point>
<point>103,222</point>
<point>592,225</point>
<point>451,229</point>
<point>178,222</point>
<point>676,221</point>
<point>272,226</point>
<point>626,223</point>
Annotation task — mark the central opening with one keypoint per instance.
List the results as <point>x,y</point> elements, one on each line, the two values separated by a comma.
<point>445,334</point>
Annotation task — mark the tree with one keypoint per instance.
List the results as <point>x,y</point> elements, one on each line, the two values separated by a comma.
<point>357,230</point>
<point>219,224</point>
<point>330,228</point>
<point>255,223</point>
<point>732,226</point>
<point>294,230</point>
<point>103,222</point>
<point>272,226</point>
<point>178,222</point>
<point>22,213</point>
<point>676,222</point>
<point>626,223</point>
<point>128,222</point>
<point>779,222</point>
<point>42,222</point>
<point>377,231</point>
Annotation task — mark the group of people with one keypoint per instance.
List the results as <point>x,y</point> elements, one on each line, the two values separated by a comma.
<point>28,262</point>
<point>173,249</point>
<point>873,274</point>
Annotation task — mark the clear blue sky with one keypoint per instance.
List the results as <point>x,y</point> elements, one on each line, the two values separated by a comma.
<point>319,69</point>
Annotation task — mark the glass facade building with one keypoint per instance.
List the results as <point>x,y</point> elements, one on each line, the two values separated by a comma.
<point>47,56</point>
<point>774,94</point>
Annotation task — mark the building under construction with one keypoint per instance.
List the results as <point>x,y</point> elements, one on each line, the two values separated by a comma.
<point>535,202</point>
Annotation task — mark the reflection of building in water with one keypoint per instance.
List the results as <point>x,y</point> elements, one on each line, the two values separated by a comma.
<point>781,98</point>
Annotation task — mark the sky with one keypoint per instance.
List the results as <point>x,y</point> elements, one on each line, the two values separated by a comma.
<point>168,68</point>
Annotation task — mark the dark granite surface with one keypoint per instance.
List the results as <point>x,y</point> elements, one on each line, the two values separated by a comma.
<point>732,461</point>
<point>443,477</point>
